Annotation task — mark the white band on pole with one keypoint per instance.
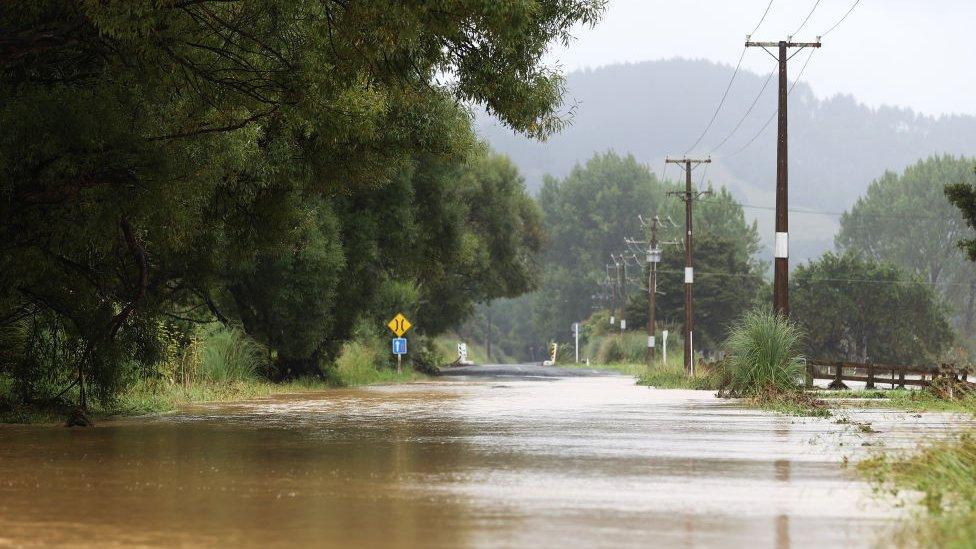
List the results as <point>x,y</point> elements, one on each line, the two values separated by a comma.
<point>782,245</point>
<point>650,341</point>
<point>689,275</point>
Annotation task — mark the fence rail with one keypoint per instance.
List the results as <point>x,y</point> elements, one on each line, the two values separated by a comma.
<point>898,375</point>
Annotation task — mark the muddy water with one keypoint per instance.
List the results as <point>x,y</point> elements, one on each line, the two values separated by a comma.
<point>568,462</point>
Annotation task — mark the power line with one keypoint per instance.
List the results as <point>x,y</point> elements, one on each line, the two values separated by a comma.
<point>804,23</point>
<point>821,212</point>
<point>837,24</point>
<point>768,121</point>
<point>825,33</point>
<point>746,115</point>
<point>720,103</point>
<point>765,13</point>
<point>728,88</point>
<point>858,280</point>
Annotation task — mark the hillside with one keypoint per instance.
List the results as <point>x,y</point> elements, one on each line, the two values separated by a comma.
<point>657,108</point>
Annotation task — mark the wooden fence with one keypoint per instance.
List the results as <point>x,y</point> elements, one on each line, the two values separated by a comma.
<point>898,375</point>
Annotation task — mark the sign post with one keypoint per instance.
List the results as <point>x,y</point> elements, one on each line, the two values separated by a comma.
<point>399,326</point>
<point>576,331</point>
<point>664,345</point>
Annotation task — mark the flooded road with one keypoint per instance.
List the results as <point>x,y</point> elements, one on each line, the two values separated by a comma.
<point>581,461</point>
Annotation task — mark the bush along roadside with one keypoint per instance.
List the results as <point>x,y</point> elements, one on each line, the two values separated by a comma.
<point>220,364</point>
<point>764,365</point>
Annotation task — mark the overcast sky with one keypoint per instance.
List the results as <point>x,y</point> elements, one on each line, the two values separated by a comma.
<point>911,53</point>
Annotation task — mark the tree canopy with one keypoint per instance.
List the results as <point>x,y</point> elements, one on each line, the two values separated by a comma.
<point>905,219</point>
<point>273,163</point>
<point>858,309</point>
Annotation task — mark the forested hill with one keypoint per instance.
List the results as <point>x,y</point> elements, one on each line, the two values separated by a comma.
<point>656,108</point>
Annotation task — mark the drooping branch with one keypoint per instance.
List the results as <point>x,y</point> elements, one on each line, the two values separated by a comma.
<point>139,255</point>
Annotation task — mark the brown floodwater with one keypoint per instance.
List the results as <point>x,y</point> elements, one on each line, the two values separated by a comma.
<point>568,462</point>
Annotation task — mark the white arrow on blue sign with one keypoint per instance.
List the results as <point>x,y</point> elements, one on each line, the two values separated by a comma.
<point>399,345</point>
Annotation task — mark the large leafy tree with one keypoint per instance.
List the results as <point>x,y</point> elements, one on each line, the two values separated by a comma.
<point>855,308</point>
<point>168,157</point>
<point>592,211</point>
<point>906,219</point>
<point>588,214</point>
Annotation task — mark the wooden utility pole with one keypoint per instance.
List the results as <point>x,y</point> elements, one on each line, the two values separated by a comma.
<point>781,290</point>
<point>623,294</point>
<point>653,257</point>
<point>612,282</point>
<point>689,196</point>
<point>488,333</point>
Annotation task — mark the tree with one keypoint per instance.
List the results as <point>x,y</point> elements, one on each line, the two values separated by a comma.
<point>589,214</point>
<point>907,220</point>
<point>858,309</point>
<point>217,157</point>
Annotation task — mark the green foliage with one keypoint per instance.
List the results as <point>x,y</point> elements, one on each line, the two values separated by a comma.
<point>228,354</point>
<point>763,355</point>
<point>278,164</point>
<point>860,310</point>
<point>672,376</point>
<point>906,220</point>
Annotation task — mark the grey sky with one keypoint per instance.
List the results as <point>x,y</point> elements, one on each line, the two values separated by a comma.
<point>909,53</point>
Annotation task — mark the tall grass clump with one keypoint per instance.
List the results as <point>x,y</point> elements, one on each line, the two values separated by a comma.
<point>228,354</point>
<point>764,363</point>
<point>763,354</point>
<point>622,348</point>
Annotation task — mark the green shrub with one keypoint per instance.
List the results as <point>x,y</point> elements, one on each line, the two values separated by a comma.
<point>228,354</point>
<point>763,355</point>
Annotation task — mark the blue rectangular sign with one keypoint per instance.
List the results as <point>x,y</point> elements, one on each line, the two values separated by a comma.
<point>399,345</point>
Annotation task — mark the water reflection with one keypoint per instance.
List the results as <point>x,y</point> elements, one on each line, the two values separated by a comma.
<point>593,461</point>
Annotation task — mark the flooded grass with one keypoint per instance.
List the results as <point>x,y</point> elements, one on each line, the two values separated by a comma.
<point>789,402</point>
<point>909,400</point>
<point>944,473</point>
<point>147,397</point>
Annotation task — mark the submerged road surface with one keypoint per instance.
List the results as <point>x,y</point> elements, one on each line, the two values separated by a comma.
<point>501,457</point>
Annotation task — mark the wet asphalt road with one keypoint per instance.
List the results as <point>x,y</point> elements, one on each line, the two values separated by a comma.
<point>521,371</point>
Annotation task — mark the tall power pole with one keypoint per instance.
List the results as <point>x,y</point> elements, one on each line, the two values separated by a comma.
<point>689,196</point>
<point>781,290</point>
<point>653,257</point>
<point>623,295</point>
<point>612,282</point>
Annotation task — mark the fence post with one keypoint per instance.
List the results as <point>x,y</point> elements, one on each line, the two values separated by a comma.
<point>808,376</point>
<point>838,382</point>
<point>870,383</point>
<point>901,379</point>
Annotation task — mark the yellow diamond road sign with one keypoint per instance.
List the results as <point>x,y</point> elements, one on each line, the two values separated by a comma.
<point>399,324</point>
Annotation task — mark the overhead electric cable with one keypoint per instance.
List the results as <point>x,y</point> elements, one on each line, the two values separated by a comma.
<point>766,125</point>
<point>744,116</point>
<point>837,24</point>
<point>804,23</point>
<point>728,88</point>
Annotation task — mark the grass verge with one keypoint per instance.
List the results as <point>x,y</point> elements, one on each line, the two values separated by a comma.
<point>944,473</point>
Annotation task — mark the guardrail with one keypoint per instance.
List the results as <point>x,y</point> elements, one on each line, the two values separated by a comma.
<point>898,375</point>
